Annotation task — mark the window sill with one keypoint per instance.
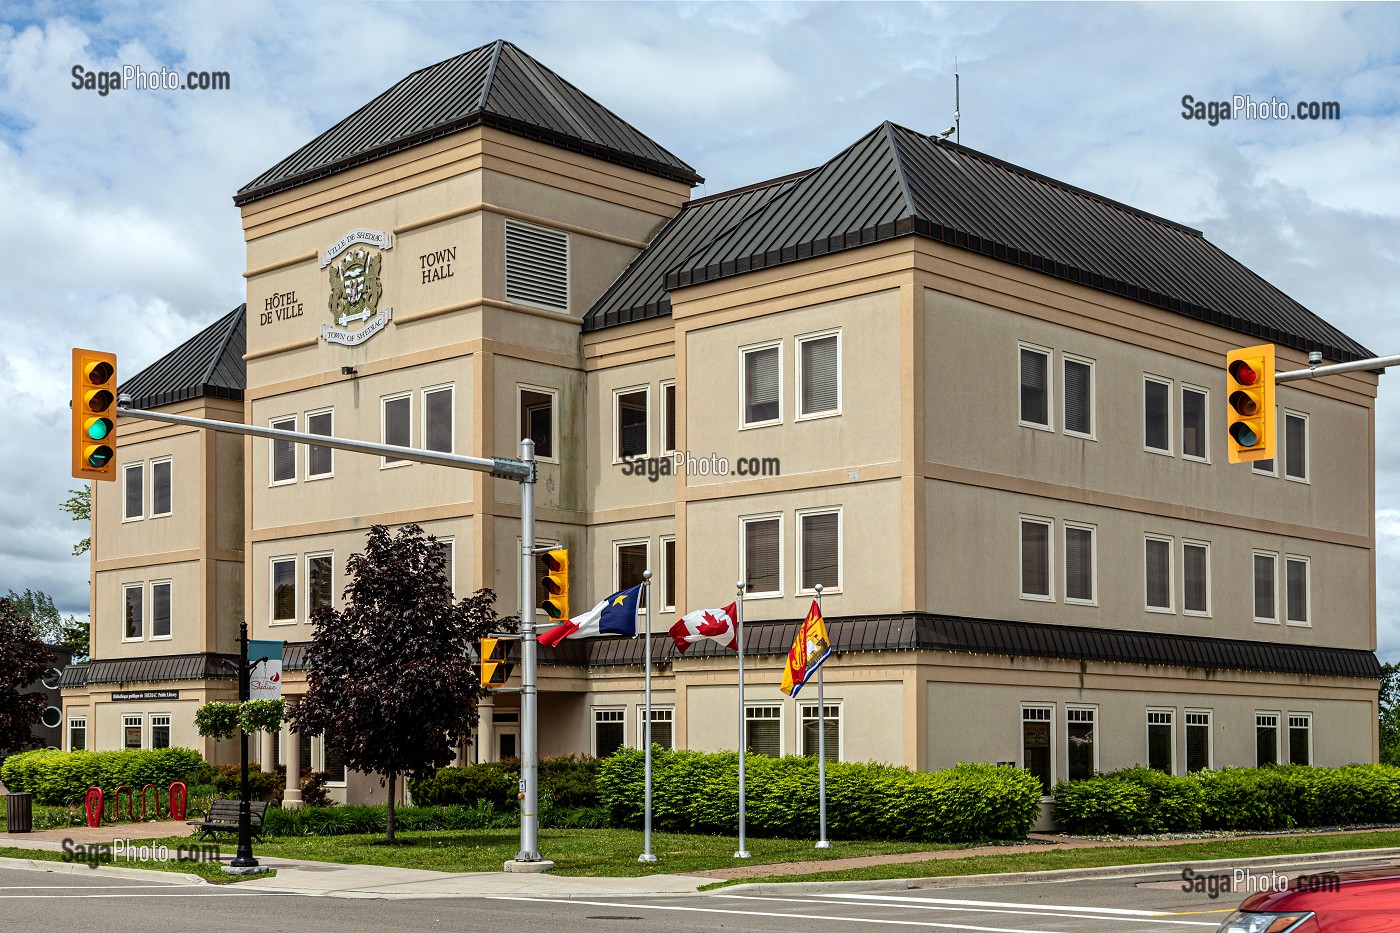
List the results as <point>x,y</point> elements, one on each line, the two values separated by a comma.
<point>826,591</point>
<point>393,466</point>
<point>280,622</point>
<point>1196,615</point>
<point>319,476</point>
<point>1081,602</point>
<point>1082,437</point>
<point>1037,427</point>
<point>1038,599</point>
<point>1160,610</point>
<point>1158,451</point>
<point>773,423</point>
<point>775,595</point>
<point>1301,480</point>
<point>630,458</point>
<point>281,482</point>
<point>1191,458</point>
<point>161,637</point>
<point>1292,624</point>
<point>160,515</point>
<point>132,641</point>
<point>819,415</point>
<point>1267,621</point>
<point>139,518</point>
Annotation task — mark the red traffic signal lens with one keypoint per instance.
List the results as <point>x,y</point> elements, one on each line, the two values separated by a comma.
<point>1243,434</point>
<point>99,372</point>
<point>1244,403</point>
<point>1243,373</point>
<point>552,564</point>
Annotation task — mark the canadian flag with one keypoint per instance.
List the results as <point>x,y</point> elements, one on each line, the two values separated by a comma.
<point>715,625</point>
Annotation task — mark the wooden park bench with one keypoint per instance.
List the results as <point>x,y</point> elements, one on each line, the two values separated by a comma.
<point>222,817</point>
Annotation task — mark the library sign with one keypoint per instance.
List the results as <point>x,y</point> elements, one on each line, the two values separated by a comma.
<point>126,696</point>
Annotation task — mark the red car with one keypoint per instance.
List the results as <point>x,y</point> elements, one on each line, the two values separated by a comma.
<point>1363,900</point>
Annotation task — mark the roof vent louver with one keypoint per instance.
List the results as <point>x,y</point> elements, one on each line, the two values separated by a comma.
<point>537,266</point>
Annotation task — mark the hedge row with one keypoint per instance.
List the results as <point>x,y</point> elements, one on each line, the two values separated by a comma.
<point>344,821</point>
<point>58,778</point>
<point>567,781</point>
<point>1140,800</point>
<point>699,793</point>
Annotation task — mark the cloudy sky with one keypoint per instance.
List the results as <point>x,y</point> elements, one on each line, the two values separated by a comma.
<point>117,228</point>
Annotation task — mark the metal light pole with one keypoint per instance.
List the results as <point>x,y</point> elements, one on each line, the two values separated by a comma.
<point>529,650</point>
<point>647,855</point>
<point>822,842</point>
<point>244,858</point>
<point>739,641</point>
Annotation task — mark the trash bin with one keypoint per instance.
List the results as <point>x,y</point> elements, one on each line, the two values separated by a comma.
<point>19,813</point>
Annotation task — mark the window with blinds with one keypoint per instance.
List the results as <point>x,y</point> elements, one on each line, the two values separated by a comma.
<point>1035,387</point>
<point>1156,415</point>
<point>319,588</point>
<point>133,492</point>
<point>134,615</point>
<point>1036,744</point>
<point>1265,466</point>
<point>1265,739</point>
<point>1195,575</point>
<point>537,420</point>
<point>1265,566</point>
<point>1035,558</point>
<point>1159,740</point>
<point>1193,423</point>
<point>283,454</point>
<point>397,424</point>
<point>1079,735</point>
<point>160,609</point>
<point>609,731</point>
<point>1296,585</point>
<point>668,574</point>
<point>763,730</point>
<point>1079,397</point>
<point>762,555</point>
<point>1299,739</point>
<point>821,549</point>
<point>631,562</point>
<point>537,266</point>
<point>160,487</point>
<point>319,462</point>
<point>437,419</point>
<point>335,764</point>
<point>668,417</point>
<point>631,421</point>
<point>160,732</point>
<point>1157,558</point>
<point>827,727</point>
<point>1079,563</point>
<point>448,549</point>
<point>762,380</point>
<point>284,589</point>
<point>662,726</point>
<point>1197,740</point>
<point>819,366</point>
<point>1295,446</point>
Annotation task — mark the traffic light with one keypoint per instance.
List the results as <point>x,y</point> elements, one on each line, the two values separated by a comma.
<point>94,415</point>
<point>555,584</point>
<point>497,661</point>
<point>1249,403</point>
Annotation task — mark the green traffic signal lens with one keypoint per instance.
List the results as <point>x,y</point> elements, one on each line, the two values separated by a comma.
<point>99,456</point>
<point>551,609</point>
<point>1243,434</point>
<point>99,428</point>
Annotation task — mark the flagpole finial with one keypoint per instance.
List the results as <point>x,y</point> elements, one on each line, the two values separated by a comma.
<point>818,589</point>
<point>646,576</point>
<point>739,585</point>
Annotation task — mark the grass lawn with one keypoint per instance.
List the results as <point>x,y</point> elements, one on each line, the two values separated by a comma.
<point>209,871</point>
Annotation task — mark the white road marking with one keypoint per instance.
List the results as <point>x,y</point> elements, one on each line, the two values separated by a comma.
<point>106,887</point>
<point>21,897</point>
<point>934,904</point>
<point>1114,911</point>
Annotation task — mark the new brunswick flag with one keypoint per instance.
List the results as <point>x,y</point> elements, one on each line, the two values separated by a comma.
<point>809,649</point>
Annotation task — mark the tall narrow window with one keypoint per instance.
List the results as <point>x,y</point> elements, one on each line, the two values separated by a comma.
<point>1195,576</point>
<point>1035,558</point>
<point>762,555</point>
<point>1265,466</point>
<point>631,562</point>
<point>1079,730</point>
<point>812,726</point>
<point>762,381</point>
<point>447,548</point>
<point>609,731</point>
<point>537,420</point>
<point>1156,415</point>
<point>133,624</point>
<point>668,417</point>
<point>1295,446</point>
<point>319,461</point>
<point>631,421</point>
<point>1265,568</point>
<point>160,487</point>
<point>821,549</point>
<point>662,726</point>
<point>160,731</point>
<point>283,453</point>
<point>1079,397</point>
<point>1296,580</point>
<point>1079,563</point>
<point>335,764</point>
<point>763,730</point>
<point>1265,739</point>
<point>1159,740</point>
<point>320,591</point>
<point>1035,745</point>
<point>1299,739</point>
<point>668,574</point>
<point>131,731</point>
<point>284,589</point>
<point>397,424</point>
<point>1198,740</point>
<point>160,609</point>
<point>437,419</point>
<point>1035,387</point>
<point>537,266</point>
<point>1193,423</point>
<point>819,375</point>
<point>1157,554</point>
<point>134,492</point>
<point>77,733</point>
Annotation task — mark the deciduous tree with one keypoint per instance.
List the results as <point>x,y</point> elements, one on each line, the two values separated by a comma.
<point>23,660</point>
<point>49,625</point>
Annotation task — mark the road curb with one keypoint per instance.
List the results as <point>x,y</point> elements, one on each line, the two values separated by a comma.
<point>74,868</point>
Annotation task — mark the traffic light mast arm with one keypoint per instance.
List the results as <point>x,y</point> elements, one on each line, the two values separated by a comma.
<point>1312,372</point>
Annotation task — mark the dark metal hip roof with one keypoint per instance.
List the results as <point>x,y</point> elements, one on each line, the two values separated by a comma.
<point>149,670</point>
<point>208,365</point>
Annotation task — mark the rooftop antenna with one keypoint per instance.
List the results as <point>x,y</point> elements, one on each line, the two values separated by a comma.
<point>957,100</point>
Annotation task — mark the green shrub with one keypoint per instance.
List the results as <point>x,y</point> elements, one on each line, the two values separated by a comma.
<point>569,782</point>
<point>61,778</point>
<point>344,821</point>
<point>1102,804</point>
<point>262,785</point>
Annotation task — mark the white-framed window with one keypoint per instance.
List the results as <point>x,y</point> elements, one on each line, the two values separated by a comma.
<point>1038,744</point>
<point>668,573</point>
<point>282,590</point>
<point>668,416</point>
<point>1266,739</point>
<point>160,609</point>
<point>1297,593</point>
<point>1195,423</point>
<point>819,550</point>
<point>77,733</point>
<point>134,492</point>
<point>1034,366</point>
<point>1266,467</point>
<point>761,554</point>
<point>320,586</point>
<point>437,419</point>
<point>761,384</point>
<point>819,375</point>
<point>1037,557</point>
<point>160,487</point>
<point>1078,375</point>
<point>131,730</point>
<point>1200,743</point>
<point>630,560</point>
<point>320,461</point>
<point>282,455</point>
<point>396,425</point>
<point>1157,565</point>
<point>1157,415</point>
<point>133,611</point>
<point>1265,586</point>
<point>609,731</point>
<point>333,761</point>
<point>631,422</point>
<point>763,730</point>
<point>536,406</point>
<point>1195,578</point>
<point>812,727</point>
<point>448,547</point>
<point>537,266</point>
<point>1300,738</point>
<point>663,719</point>
<point>1295,446</point>
<point>1081,745</point>
<point>1161,740</point>
<point>160,730</point>
<point>1081,564</point>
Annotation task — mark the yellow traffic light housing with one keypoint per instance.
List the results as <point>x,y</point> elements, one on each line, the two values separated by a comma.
<point>497,661</point>
<point>555,584</point>
<point>1249,404</point>
<point>94,415</point>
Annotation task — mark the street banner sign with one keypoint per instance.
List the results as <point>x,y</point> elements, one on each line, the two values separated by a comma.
<point>265,679</point>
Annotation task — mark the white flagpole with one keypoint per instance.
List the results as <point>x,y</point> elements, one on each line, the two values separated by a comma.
<point>739,641</point>
<point>647,855</point>
<point>822,842</point>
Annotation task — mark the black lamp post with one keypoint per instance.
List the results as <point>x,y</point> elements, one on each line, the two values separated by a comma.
<point>243,862</point>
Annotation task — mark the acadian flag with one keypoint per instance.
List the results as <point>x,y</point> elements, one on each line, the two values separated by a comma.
<point>616,615</point>
<point>715,625</point>
<point>809,649</point>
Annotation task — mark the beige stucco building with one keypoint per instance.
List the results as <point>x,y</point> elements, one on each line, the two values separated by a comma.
<point>982,408</point>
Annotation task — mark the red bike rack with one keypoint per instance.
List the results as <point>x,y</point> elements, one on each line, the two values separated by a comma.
<point>130,803</point>
<point>153,790</point>
<point>176,799</point>
<point>92,802</point>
